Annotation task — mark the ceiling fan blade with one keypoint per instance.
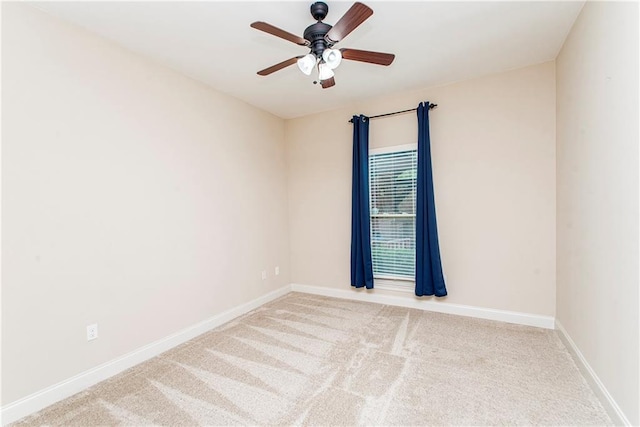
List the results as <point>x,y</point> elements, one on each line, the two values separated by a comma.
<point>356,15</point>
<point>328,83</point>
<point>275,31</point>
<point>279,66</point>
<point>367,56</point>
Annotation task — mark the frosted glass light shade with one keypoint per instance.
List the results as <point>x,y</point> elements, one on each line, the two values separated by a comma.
<point>332,57</point>
<point>306,63</point>
<point>324,72</point>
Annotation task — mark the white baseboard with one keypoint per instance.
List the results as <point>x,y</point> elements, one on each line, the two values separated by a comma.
<point>610,405</point>
<point>546,322</point>
<point>43,398</point>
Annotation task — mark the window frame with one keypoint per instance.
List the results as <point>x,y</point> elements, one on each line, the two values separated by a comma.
<point>389,282</point>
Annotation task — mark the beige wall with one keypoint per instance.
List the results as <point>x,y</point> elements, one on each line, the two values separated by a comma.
<point>133,197</point>
<point>493,147</point>
<point>597,172</point>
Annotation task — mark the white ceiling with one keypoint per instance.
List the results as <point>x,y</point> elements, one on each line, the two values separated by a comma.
<point>434,43</point>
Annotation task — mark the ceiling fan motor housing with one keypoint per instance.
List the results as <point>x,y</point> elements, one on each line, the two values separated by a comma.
<point>315,34</point>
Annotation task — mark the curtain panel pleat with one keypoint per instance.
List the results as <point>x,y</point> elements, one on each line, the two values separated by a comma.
<point>361,265</point>
<point>429,277</point>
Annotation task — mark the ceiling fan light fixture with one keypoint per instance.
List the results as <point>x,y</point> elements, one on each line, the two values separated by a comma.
<point>324,72</point>
<point>320,38</point>
<point>332,57</point>
<point>306,63</point>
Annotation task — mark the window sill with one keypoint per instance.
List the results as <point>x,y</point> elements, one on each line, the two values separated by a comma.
<point>394,285</point>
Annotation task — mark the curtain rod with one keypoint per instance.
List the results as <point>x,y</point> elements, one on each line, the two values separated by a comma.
<point>431,107</point>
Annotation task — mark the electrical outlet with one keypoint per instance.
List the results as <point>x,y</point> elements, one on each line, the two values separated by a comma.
<point>92,332</point>
<point>277,270</point>
<point>264,274</point>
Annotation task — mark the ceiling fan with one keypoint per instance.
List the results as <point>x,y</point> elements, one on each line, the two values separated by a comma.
<point>321,39</point>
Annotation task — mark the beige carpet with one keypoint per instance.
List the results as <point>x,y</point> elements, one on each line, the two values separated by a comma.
<point>310,360</point>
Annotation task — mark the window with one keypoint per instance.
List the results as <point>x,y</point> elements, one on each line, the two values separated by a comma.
<point>392,186</point>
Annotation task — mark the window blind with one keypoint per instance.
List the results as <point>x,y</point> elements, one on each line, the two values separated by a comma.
<point>392,183</point>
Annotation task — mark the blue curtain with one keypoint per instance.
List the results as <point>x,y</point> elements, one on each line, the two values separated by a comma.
<point>429,277</point>
<point>361,265</point>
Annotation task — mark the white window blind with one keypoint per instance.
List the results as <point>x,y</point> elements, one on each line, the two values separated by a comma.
<point>392,186</point>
